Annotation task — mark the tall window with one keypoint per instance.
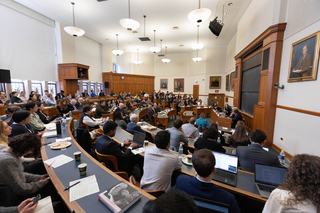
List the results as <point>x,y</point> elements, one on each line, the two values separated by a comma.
<point>93,87</point>
<point>52,87</point>
<point>17,85</point>
<point>85,86</point>
<point>100,87</point>
<point>37,87</point>
<point>115,69</point>
<point>79,86</point>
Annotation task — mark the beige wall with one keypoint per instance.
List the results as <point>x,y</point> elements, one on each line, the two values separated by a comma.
<point>147,65</point>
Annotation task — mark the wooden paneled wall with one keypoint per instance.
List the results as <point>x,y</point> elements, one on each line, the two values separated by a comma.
<point>265,111</point>
<point>132,83</point>
<point>248,120</point>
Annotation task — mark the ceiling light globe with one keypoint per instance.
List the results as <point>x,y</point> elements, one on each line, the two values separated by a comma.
<point>197,46</point>
<point>155,49</point>
<point>74,31</point>
<point>117,52</point>
<point>166,60</point>
<point>196,59</point>
<point>129,24</point>
<point>137,62</point>
<point>199,15</point>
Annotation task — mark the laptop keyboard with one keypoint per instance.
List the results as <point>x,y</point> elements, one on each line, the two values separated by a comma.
<point>227,175</point>
<point>265,188</point>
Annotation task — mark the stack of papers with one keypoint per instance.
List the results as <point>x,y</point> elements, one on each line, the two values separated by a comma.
<point>58,161</point>
<point>63,139</point>
<point>137,151</point>
<point>50,134</point>
<point>144,126</point>
<point>44,206</point>
<point>50,126</point>
<point>87,186</point>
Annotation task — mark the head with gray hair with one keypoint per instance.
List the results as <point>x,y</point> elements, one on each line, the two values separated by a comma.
<point>134,118</point>
<point>73,101</point>
<point>235,109</point>
<point>192,120</point>
<point>121,105</point>
<point>80,100</point>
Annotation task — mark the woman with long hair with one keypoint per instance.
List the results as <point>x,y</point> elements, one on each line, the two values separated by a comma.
<point>33,98</point>
<point>5,130</point>
<point>43,116</point>
<point>118,118</point>
<point>63,107</point>
<point>300,190</point>
<point>39,98</point>
<point>239,137</point>
<point>209,141</point>
<point>23,97</point>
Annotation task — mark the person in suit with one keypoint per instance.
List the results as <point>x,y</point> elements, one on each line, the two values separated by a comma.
<point>21,122</point>
<point>63,107</point>
<point>177,135</point>
<point>132,126</point>
<point>85,94</point>
<point>120,108</point>
<point>201,186</point>
<point>156,108</point>
<point>303,63</point>
<point>60,95</point>
<point>120,96</point>
<point>190,130</point>
<point>79,104</point>
<point>202,121</point>
<point>249,155</point>
<point>118,101</point>
<point>3,99</point>
<point>209,141</point>
<point>112,93</point>
<point>100,109</point>
<point>43,116</point>
<point>101,94</point>
<point>107,146</point>
<point>72,105</point>
<point>236,116</point>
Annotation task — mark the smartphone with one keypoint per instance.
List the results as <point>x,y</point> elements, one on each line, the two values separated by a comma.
<point>107,119</point>
<point>48,178</point>
<point>36,199</point>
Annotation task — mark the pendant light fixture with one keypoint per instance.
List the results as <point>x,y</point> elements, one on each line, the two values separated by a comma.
<point>166,60</point>
<point>154,49</point>
<point>199,15</point>
<point>137,62</point>
<point>117,52</point>
<point>74,31</point>
<point>128,23</point>
<point>197,46</point>
<point>197,59</point>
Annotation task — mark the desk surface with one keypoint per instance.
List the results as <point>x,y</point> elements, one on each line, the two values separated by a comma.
<point>62,175</point>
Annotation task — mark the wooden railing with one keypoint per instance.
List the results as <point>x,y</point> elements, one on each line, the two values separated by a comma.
<point>247,119</point>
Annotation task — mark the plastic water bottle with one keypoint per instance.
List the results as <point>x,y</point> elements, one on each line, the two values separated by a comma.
<point>200,128</point>
<point>180,151</point>
<point>282,157</point>
<point>64,121</point>
<point>218,140</point>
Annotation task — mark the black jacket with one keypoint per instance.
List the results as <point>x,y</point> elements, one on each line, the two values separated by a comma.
<point>203,143</point>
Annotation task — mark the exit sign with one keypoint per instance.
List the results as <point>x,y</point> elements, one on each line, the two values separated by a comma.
<point>216,91</point>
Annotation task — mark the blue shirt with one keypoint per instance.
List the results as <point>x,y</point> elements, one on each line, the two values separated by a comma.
<point>204,123</point>
<point>93,95</point>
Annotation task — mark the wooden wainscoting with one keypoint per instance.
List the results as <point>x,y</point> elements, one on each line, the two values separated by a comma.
<point>248,120</point>
<point>258,117</point>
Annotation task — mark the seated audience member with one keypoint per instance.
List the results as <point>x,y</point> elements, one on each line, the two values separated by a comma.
<point>129,107</point>
<point>112,93</point>
<point>236,116</point>
<point>118,118</point>
<point>227,109</point>
<point>21,122</point>
<point>79,104</point>
<point>190,130</point>
<point>14,98</point>
<point>172,202</point>
<point>36,123</point>
<point>200,102</point>
<point>129,94</point>
<point>113,103</point>
<point>176,135</point>
<point>250,155</point>
<point>77,94</point>
<point>220,135</point>
<point>151,112</point>
<point>23,97</point>
<point>124,94</point>
<point>10,111</point>
<point>26,206</point>
<point>60,95</point>
<point>107,146</point>
<point>209,141</point>
<point>202,121</point>
<point>239,137</point>
<point>33,98</point>
<point>300,190</point>
<point>72,105</point>
<point>11,168</point>
<point>5,131</point>
<point>101,94</point>
<point>43,116</point>
<point>50,100</point>
<point>69,97</point>
<point>201,186</point>
<point>93,94</point>
<point>87,119</point>
<point>3,99</point>
<point>143,103</point>
<point>159,163</point>
<point>120,96</point>
<point>188,103</point>
<point>118,101</point>
<point>86,101</point>
<point>132,126</point>
<point>39,98</point>
<point>85,94</point>
<point>156,108</point>
<point>120,109</point>
<point>100,109</point>
<point>45,96</point>
<point>63,107</point>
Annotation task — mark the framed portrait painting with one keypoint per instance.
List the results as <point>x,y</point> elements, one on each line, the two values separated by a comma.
<point>304,59</point>
<point>232,77</point>
<point>163,83</point>
<point>215,82</point>
<point>178,85</point>
<point>228,82</point>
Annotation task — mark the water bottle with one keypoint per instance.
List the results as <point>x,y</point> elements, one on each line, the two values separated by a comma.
<point>200,128</point>
<point>58,127</point>
<point>282,157</point>
<point>70,114</point>
<point>218,140</point>
<point>139,108</point>
<point>180,151</point>
<point>64,120</point>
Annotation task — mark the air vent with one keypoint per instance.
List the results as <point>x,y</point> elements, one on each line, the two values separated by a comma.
<point>175,28</point>
<point>134,32</point>
<point>181,45</point>
<point>101,0</point>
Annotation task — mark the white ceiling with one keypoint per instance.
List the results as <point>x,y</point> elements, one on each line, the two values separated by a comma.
<point>100,20</point>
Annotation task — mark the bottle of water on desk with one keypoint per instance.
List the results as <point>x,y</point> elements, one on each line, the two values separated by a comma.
<point>64,120</point>
<point>200,128</point>
<point>180,151</point>
<point>282,157</point>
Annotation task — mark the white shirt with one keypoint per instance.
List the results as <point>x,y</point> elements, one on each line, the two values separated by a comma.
<point>190,131</point>
<point>91,123</point>
<point>273,204</point>
<point>158,167</point>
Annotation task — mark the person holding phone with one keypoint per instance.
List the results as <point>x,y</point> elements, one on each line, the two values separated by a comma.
<point>26,206</point>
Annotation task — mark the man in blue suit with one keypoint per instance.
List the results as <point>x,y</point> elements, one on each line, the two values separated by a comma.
<point>132,126</point>
<point>201,186</point>
<point>236,116</point>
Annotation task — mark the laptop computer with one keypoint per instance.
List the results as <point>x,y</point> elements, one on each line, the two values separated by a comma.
<point>138,138</point>
<point>227,168</point>
<point>209,206</point>
<point>268,178</point>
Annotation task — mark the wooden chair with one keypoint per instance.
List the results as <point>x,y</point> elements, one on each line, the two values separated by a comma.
<point>157,123</point>
<point>105,160</point>
<point>86,126</point>
<point>124,175</point>
<point>155,193</point>
<point>150,119</point>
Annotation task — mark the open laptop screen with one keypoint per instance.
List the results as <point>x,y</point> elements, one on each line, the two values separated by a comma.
<point>269,174</point>
<point>138,137</point>
<point>226,162</point>
<point>208,206</point>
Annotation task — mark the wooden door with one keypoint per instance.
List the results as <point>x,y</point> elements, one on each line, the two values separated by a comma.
<point>196,91</point>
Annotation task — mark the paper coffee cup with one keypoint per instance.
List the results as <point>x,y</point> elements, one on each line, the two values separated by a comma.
<point>146,143</point>
<point>189,157</point>
<point>82,168</point>
<point>77,156</point>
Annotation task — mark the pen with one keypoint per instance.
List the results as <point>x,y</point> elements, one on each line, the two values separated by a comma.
<point>71,186</point>
<point>51,163</point>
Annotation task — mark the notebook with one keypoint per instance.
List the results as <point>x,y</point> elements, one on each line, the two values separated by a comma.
<point>138,138</point>
<point>227,168</point>
<point>209,206</point>
<point>268,178</point>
